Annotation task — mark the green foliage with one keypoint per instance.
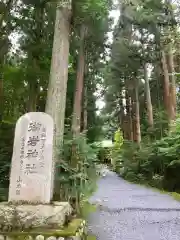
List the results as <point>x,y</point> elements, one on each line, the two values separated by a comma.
<point>104,155</point>
<point>156,163</point>
<point>118,138</point>
<point>6,148</point>
<point>78,177</point>
<point>91,237</point>
<point>138,38</point>
<point>86,209</point>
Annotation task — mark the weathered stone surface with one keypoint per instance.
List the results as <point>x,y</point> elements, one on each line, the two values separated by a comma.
<point>29,216</point>
<point>51,238</point>
<point>7,238</point>
<point>40,237</point>
<point>32,165</point>
<point>74,238</point>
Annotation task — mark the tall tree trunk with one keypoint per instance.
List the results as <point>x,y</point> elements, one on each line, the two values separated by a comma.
<point>170,62</point>
<point>76,120</point>
<point>85,120</point>
<point>1,94</point>
<point>85,97</point>
<point>56,96</point>
<point>129,109</point>
<point>128,112</point>
<point>172,79</point>
<point>136,117</point>
<point>5,30</point>
<point>148,96</point>
<point>166,85</point>
<point>35,55</point>
<point>121,117</point>
<point>33,94</point>
<point>125,116</point>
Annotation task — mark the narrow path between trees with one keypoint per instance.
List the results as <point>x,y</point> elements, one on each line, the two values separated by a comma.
<point>132,212</point>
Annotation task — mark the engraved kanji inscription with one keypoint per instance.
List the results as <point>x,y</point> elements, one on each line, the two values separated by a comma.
<point>31,153</point>
<point>34,126</point>
<point>18,186</point>
<point>33,141</point>
<point>18,191</point>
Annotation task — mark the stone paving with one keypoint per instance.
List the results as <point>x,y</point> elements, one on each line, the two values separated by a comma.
<point>131,212</point>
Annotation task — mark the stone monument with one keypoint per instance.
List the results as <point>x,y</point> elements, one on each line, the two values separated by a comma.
<point>29,204</point>
<point>32,165</point>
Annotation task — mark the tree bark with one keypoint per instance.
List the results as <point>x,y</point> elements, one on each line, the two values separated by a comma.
<point>35,55</point>
<point>1,94</point>
<point>172,79</point>
<point>136,118</point>
<point>85,97</point>
<point>33,94</point>
<point>4,17</point>
<point>56,96</point>
<point>121,117</point>
<point>170,64</point>
<point>166,85</point>
<point>85,120</point>
<point>76,120</point>
<point>129,115</point>
<point>148,97</point>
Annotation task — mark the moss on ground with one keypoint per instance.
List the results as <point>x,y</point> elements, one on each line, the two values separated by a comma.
<point>91,238</point>
<point>86,209</point>
<point>175,195</point>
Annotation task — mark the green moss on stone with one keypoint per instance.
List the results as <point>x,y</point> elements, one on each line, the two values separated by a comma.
<point>70,230</point>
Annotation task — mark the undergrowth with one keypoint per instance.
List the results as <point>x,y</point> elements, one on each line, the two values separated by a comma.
<point>85,206</point>
<point>156,164</point>
<point>77,170</point>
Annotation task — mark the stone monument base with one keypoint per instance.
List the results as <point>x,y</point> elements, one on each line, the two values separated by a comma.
<point>25,217</point>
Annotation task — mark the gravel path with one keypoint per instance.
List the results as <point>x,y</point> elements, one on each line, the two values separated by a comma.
<point>132,212</point>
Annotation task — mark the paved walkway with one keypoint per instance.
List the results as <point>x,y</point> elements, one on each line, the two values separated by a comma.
<point>133,212</point>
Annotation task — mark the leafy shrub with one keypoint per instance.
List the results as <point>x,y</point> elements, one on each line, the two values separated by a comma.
<point>157,181</point>
<point>156,163</point>
<point>116,151</point>
<point>6,149</point>
<point>77,172</point>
